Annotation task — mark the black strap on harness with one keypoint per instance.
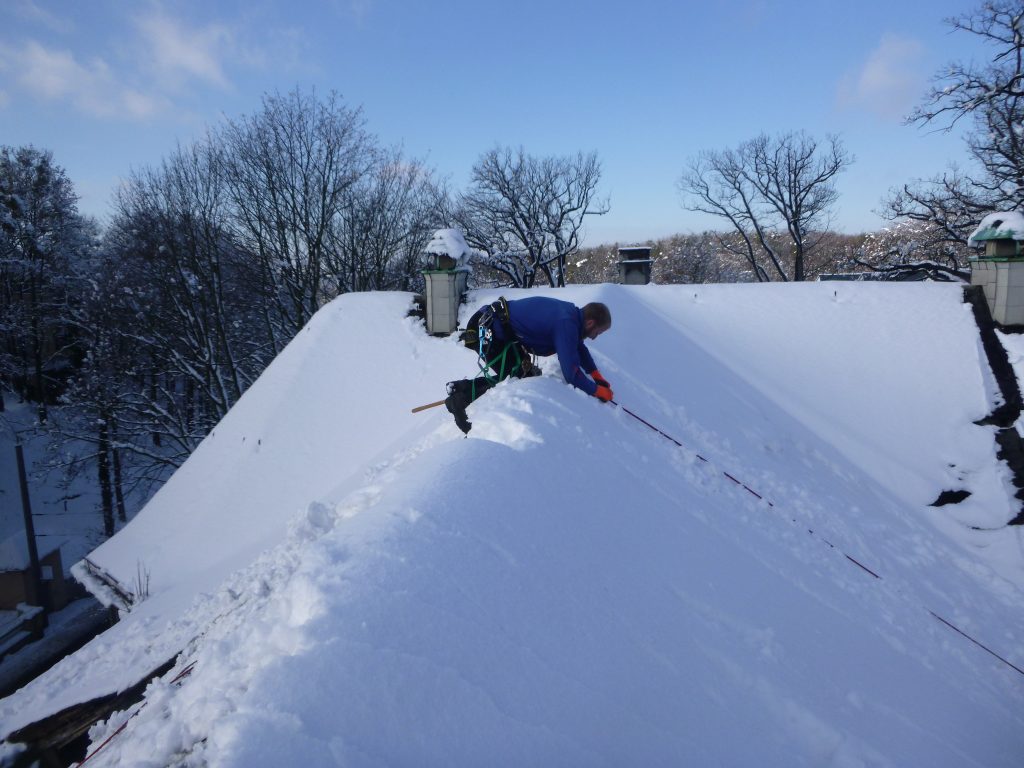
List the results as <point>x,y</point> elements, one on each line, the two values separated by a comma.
<point>480,323</point>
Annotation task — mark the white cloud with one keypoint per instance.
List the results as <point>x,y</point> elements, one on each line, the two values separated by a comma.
<point>889,82</point>
<point>166,58</point>
<point>159,65</point>
<point>177,53</point>
<point>56,75</point>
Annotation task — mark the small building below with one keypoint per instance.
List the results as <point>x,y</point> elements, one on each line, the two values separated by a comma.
<point>17,583</point>
<point>24,605</point>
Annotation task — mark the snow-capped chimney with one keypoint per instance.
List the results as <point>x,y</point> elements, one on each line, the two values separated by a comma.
<point>1000,270</point>
<point>445,280</point>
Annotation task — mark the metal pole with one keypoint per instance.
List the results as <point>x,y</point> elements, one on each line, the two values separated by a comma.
<point>30,529</point>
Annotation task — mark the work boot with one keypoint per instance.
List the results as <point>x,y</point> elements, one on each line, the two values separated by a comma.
<point>460,395</point>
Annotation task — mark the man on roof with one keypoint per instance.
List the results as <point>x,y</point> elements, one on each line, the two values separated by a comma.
<point>506,333</point>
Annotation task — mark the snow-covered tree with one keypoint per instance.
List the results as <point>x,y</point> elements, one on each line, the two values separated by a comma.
<point>218,255</point>
<point>190,307</point>
<point>706,257</point>
<point>914,248</point>
<point>42,235</point>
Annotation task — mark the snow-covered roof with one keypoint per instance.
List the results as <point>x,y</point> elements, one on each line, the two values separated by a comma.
<point>997,226</point>
<point>449,242</point>
<point>353,583</point>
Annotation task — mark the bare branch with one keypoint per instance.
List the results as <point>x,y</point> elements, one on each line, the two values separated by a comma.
<point>525,214</point>
<point>767,184</point>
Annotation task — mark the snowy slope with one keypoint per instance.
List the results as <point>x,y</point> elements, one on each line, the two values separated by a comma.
<point>335,397</point>
<point>366,587</point>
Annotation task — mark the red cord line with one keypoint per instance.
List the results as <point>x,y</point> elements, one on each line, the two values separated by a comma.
<point>848,557</point>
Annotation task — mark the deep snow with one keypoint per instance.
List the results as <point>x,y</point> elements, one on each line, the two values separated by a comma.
<point>359,585</point>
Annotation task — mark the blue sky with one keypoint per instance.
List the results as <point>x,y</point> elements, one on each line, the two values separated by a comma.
<point>111,85</point>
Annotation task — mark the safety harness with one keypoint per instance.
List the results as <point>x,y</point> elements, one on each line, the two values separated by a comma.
<point>479,335</point>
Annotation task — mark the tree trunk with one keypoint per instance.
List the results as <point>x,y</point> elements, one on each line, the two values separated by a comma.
<point>122,515</point>
<point>37,359</point>
<point>103,467</point>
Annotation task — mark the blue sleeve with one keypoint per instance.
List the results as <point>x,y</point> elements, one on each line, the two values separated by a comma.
<point>573,356</point>
<point>586,360</point>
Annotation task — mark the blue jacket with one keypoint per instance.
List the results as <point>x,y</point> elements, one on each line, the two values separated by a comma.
<point>549,326</point>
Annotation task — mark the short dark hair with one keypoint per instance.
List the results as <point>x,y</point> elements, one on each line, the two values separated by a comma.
<point>599,313</point>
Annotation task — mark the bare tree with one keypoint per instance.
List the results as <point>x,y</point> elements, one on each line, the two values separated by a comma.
<point>289,171</point>
<point>951,204</point>
<point>990,95</point>
<point>766,186</point>
<point>716,183</point>
<point>172,275</point>
<point>525,213</point>
<point>214,259</point>
<point>388,218</point>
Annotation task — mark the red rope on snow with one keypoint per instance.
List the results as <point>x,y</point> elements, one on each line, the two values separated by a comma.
<point>848,557</point>
<point>177,678</point>
<point>669,437</point>
<point>983,647</point>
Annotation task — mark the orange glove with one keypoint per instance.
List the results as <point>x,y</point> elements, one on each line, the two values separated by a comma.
<point>603,393</point>
<point>599,379</point>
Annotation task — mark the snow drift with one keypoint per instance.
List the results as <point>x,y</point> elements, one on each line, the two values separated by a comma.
<point>358,585</point>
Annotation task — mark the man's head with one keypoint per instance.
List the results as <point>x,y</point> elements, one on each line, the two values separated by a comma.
<point>596,319</point>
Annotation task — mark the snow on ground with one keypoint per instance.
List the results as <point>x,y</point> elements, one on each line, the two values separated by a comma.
<point>65,512</point>
<point>359,585</point>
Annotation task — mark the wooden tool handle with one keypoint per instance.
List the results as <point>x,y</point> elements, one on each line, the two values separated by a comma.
<point>419,408</point>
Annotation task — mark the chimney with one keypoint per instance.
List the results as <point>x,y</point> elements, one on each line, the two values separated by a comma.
<point>635,265</point>
<point>1000,270</point>
<point>445,281</point>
